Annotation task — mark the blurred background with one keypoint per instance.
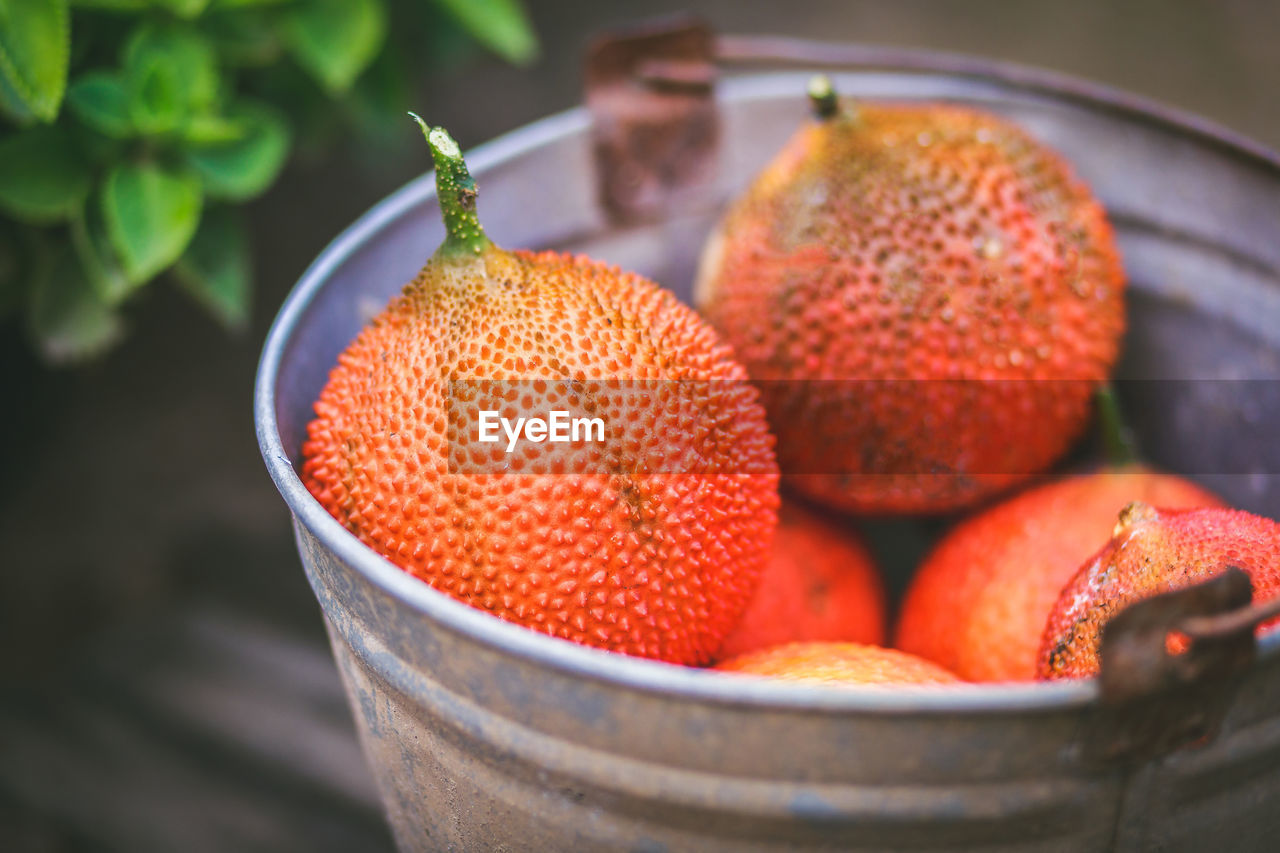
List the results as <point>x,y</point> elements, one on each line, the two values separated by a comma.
<point>166,680</point>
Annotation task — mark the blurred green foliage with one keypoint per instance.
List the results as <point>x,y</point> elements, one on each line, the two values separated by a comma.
<point>131,130</point>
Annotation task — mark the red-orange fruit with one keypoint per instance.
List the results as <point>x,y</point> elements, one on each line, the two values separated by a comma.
<point>1153,551</point>
<point>979,602</point>
<point>650,541</point>
<point>841,664</point>
<point>928,298</point>
<point>821,584</point>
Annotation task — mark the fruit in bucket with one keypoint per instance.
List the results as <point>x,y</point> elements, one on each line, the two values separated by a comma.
<point>979,603</point>
<point>596,543</point>
<point>1153,551</point>
<point>839,664</point>
<point>928,298</point>
<point>820,584</point>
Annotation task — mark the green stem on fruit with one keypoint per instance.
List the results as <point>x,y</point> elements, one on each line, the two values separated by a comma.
<point>1117,438</point>
<point>822,95</point>
<point>456,191</point>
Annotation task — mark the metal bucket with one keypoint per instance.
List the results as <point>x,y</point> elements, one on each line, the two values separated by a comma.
<point>483,735</point>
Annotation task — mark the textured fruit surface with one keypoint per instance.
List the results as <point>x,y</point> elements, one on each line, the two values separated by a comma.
<point>979,603</point>
<point>928,298</point>
<point>1153,551</point>
<point>839,664</point>
<point>588,546</point>
<point>820,584</point>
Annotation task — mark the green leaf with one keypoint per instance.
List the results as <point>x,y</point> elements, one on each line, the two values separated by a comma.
<point>500,25</point>
<point>151,214</point>
<point>182,8</point>
<point>97,258</point>
<point>35,45</point>
<point>12,104</point>
<point>241,4</point>
<point>43,176</point>
<point>110,5</point>
<point>250,37</point>
<point>215,268</point>
<point>100,99</point>
<point>155,103</point>
<point>244,168</point>
<point>213,129</point>
<point>172,73</point>
<point>335,40</point>
<point>67,318</point>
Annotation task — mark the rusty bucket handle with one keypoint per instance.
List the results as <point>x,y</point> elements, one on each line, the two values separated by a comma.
<point>1157,696</point>
<point>1217,619</point>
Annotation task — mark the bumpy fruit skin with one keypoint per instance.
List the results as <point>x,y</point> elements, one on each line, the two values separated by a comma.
<point>953,277</point>
<point>840,664</point>
<point>660,565</point>
<point>979,603</point>
<point>1153,551</point>
<point>820,584</point>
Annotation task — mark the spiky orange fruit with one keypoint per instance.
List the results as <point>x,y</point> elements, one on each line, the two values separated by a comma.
<point>821,584</point>
<point>648,539</point>
<point>838,664</point>
<point>979,602</point>
<point>1153,551</point>
<point>928,297</point>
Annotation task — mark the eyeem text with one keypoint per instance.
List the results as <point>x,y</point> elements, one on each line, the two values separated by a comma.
<point>557,427</point>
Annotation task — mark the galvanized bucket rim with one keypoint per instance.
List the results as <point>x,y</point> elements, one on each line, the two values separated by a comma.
<point>639,673</point>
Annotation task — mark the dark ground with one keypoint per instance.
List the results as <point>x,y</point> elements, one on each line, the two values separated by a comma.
<point>141,535</point>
